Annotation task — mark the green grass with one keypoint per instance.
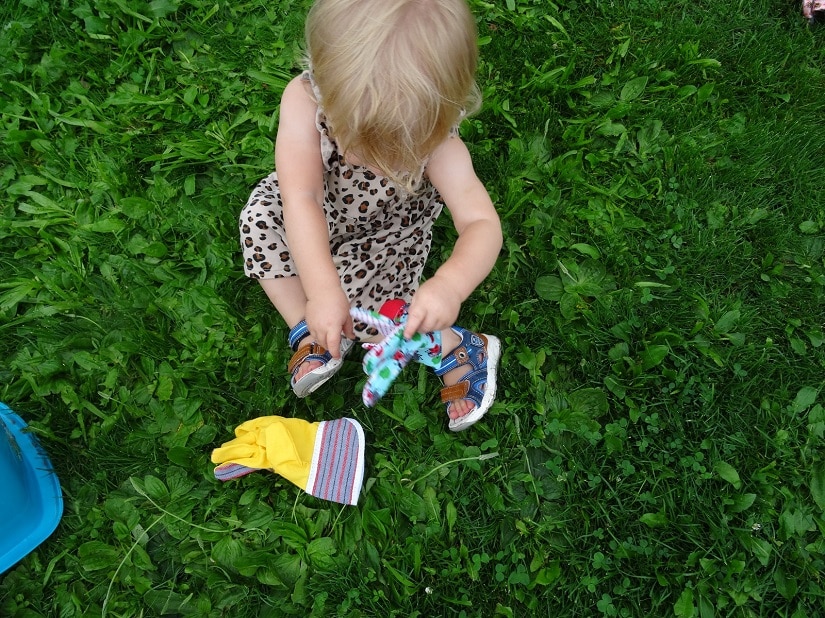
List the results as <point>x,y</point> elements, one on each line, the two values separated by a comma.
<point>657,445</point>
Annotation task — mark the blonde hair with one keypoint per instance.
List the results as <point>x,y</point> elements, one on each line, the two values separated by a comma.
<point>394,77</point>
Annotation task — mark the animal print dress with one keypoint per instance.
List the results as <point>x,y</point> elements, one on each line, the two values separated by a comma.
<point>379,236</point>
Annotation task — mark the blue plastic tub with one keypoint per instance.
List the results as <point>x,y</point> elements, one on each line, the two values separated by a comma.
<point>30,500</point>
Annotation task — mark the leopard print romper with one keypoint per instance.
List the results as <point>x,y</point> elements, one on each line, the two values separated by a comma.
<point>379,236</point>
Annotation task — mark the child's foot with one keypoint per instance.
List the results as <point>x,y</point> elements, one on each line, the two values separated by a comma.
<point>312,365</point>
<point>306,367</point>
<point>458,407</point>
<point>469,374</point>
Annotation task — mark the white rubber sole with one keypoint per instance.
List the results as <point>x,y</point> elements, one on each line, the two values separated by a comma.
<point>319,376</point>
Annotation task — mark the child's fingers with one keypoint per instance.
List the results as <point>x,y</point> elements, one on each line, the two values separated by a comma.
<point>334,344</point>
<point>349,328</point>
<point>423,323</point>
<point>414,321</point>
<point>418,316</point>
<point>334,337</point>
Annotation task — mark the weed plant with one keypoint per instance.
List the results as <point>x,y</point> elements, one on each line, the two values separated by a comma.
<point>657,445</point>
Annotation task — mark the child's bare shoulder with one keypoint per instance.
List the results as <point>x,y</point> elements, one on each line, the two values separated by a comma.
<point>450,162</point>
<point>298,95</point>
<point>297,113</point>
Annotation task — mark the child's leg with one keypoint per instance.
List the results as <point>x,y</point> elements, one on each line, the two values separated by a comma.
<point>287,295</point>
<point>267,259</point>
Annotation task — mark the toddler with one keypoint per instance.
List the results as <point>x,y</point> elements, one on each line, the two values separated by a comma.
<point>367,154</point>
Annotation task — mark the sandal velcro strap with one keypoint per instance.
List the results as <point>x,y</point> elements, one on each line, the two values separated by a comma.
<point>455,392</point>
<point>308,352</point>
<point>296,333</point>
<point>461,355</point>
<point>473,384</point>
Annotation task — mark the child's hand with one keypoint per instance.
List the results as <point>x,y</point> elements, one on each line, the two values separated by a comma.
<point>328,318</point>
<point>434,307</point>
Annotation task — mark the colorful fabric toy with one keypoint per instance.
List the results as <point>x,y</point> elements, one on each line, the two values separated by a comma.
<point>324,459</point>
<point>384,361</point>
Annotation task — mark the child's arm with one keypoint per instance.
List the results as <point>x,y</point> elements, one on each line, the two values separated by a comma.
<point>438,301</point>
<point>300,176</point>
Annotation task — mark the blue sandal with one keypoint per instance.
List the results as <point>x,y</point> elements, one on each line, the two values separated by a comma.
<point>481,353</point>
<point>312,352</point>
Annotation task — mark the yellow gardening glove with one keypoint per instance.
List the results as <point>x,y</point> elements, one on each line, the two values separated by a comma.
<point>324,459</point>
